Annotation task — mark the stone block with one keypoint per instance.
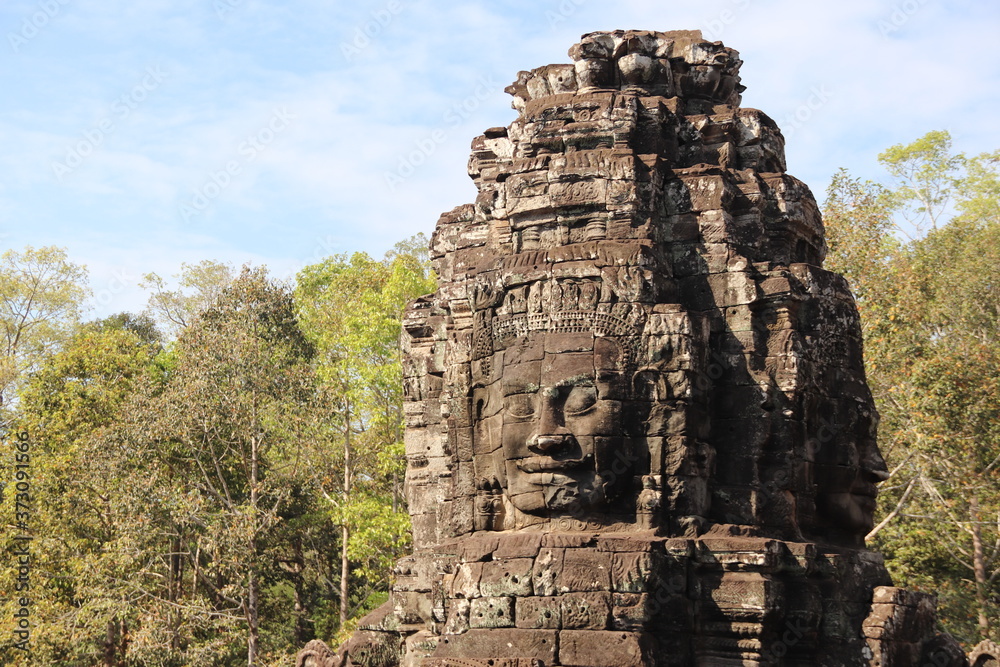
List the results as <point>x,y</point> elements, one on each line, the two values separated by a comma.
<point>587,648</point>
<point>536,613</point>
<point>458,617</point>
<point>519,545</point>
<point>491,613</point>
<point>742,593</point>
<point>510,577</point>
<point>584,570</point>
<point>630,611</point>
<point>546,571</point>
<point>465,580</point>
<point>631,572</point>
<point>585,611</point>
<point>499,642</point>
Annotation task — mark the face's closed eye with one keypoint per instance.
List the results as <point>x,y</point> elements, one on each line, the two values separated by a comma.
<point>580,400</point>
<point>520,406</point>
<point>572,400</point>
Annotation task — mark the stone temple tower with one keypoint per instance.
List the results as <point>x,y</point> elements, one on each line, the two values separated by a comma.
<point>638,430</point>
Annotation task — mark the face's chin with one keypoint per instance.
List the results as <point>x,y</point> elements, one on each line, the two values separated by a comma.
<point>863,511</point>
<point>574,497</point>
<point>851,511</point>
<point>555,493</point>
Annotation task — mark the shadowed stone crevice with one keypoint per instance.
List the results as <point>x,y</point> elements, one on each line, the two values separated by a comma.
<point>638,430</point>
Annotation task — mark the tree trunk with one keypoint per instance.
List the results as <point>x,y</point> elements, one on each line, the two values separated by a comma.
<point>344,573</point>
<point>123,642</point>
<point>979,565</point>
<point>252,610</point>
<point>174,591</point>
<point>345,531</point>
<point>303,626</point>
<point>252,621</point>
<point>111,643</point>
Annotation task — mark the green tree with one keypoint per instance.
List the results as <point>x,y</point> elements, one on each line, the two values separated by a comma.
<point>41,297</point>
<point>67,406</point>
<point>930,311</point>
<point>200,286</point>
<point>351,309</point>
<point>926,174</point>
<point>141,325</point>
<point>189,493</point>
<point>176,521</point>
<point>226,431</point>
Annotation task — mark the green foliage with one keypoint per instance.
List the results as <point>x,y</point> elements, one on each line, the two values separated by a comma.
<point>190,498</point>
<point>379,534</point>
<point>859,231</point>
<point>141,325</point>
<point>201,285</point>
<point>226,431</point>
<point>351,309</point>
<point>925,170</point>
<point>931,317</point>
<point>978,194</point>
<point>41,293</point>
<point>68,406</point>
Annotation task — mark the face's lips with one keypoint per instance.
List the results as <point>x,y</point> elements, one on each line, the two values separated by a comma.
<point>537,464</point>
<point>867,481</point>
<point>864,489</point>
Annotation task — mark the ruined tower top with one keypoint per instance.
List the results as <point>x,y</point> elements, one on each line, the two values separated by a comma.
<point>679,63</point>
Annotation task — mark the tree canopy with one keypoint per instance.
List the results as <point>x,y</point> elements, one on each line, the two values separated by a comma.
<point>192,501</point>
<point>41,300</point>
<point>923,257</point>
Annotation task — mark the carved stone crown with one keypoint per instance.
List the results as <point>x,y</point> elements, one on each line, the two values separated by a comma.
<point>578,305</point>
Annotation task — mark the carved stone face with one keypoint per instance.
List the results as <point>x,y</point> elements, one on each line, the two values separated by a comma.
<point>563,441</point>
<point>854,509</point>
<point>848,480</point>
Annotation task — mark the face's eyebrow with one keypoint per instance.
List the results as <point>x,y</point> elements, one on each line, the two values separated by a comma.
<point>581,380</point>
<point>510,388</point>
<point>520,378</point>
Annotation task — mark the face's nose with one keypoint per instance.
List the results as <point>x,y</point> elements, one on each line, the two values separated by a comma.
<point>875,464</point>
<point>550,444</point>
<point>551,435</point>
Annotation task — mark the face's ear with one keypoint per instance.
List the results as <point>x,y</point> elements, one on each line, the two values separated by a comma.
<point>645,390</point>
<point>608,355</point>
<point>648,385</point>
<point>479,398</point>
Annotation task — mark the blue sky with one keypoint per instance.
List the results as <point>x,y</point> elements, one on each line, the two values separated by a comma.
<point>145,133</point>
